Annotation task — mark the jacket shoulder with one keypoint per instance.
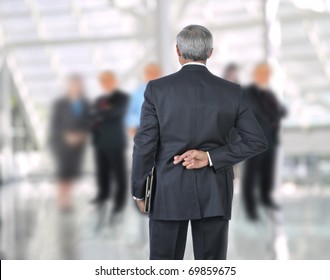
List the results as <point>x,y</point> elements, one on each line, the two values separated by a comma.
<point>163,80</point>
<point>97,100</point>
<point>230,85</point>
<point>59,103</point>
<point>122,93</point>
<point>231,89</point>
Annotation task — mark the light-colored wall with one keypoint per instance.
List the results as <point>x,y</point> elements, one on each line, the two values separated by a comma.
<point>298,141</point>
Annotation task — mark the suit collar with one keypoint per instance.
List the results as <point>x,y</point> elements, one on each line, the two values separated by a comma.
<point>194,63</point>
<point>194,66</point>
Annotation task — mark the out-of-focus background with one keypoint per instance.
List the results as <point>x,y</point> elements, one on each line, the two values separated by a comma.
<point>44,41</point>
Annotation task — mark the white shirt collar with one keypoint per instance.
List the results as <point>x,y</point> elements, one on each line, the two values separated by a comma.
<point>194,63</point>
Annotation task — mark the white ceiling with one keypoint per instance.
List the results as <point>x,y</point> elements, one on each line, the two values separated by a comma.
<point>48,39</point>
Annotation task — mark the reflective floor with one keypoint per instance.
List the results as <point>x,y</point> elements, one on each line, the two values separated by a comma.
<point>33,228</point>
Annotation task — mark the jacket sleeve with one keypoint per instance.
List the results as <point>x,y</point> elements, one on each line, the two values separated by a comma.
<point>118,110</point>
<point>55,127</point>
<point>252,140</point>
<point>145,144</point>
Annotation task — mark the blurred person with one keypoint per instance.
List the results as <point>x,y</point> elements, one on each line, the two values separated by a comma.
<point>186,120</point>
<point>259,171</point>
<point>151,72</point>
<point>109,138</point>
<point>231,73</point>
<point>68,136</point>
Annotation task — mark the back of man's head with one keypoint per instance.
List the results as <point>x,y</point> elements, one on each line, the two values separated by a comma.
<point>195,42</point>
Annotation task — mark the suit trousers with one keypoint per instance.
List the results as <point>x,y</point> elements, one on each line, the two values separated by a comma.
<point>111,165</point>
<point>168,239</point>
<point>258,176</point>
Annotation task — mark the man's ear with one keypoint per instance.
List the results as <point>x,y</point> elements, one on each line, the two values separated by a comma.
<point>178,51</point>
<point>210,53</point>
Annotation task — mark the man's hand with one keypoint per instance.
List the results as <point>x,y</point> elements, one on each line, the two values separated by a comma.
<point>74,138</point>
<point>140,205</point>
<point>192,159</point>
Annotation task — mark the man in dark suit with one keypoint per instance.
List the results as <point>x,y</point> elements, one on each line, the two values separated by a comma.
<point>259,171</point>
<point>109,137</point>
<point>184,132</point>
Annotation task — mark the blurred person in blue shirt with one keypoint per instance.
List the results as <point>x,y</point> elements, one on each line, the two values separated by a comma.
<point>151,71</point>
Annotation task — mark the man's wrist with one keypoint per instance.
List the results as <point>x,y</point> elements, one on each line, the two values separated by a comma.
<point>137,199</point>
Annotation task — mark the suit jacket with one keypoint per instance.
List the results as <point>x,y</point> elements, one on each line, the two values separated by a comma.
<point>108,116</point>
<point>64,120</point>
<point>267,110</point>
<point>192,109</point>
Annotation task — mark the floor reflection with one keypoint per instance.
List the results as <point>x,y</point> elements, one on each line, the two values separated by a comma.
<point>33,228</point>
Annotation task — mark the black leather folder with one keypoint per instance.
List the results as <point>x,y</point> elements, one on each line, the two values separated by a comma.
<point>150,185</point>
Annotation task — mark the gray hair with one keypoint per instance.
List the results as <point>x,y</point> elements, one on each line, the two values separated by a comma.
<point>195,42</point>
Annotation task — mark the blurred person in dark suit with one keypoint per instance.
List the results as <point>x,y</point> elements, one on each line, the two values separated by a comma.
<point>186,120</point>
<point>259,171</point>
<point>231,73</point>
<point>109,138</point>
<point>151,72</point>
<point>69,128</point>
